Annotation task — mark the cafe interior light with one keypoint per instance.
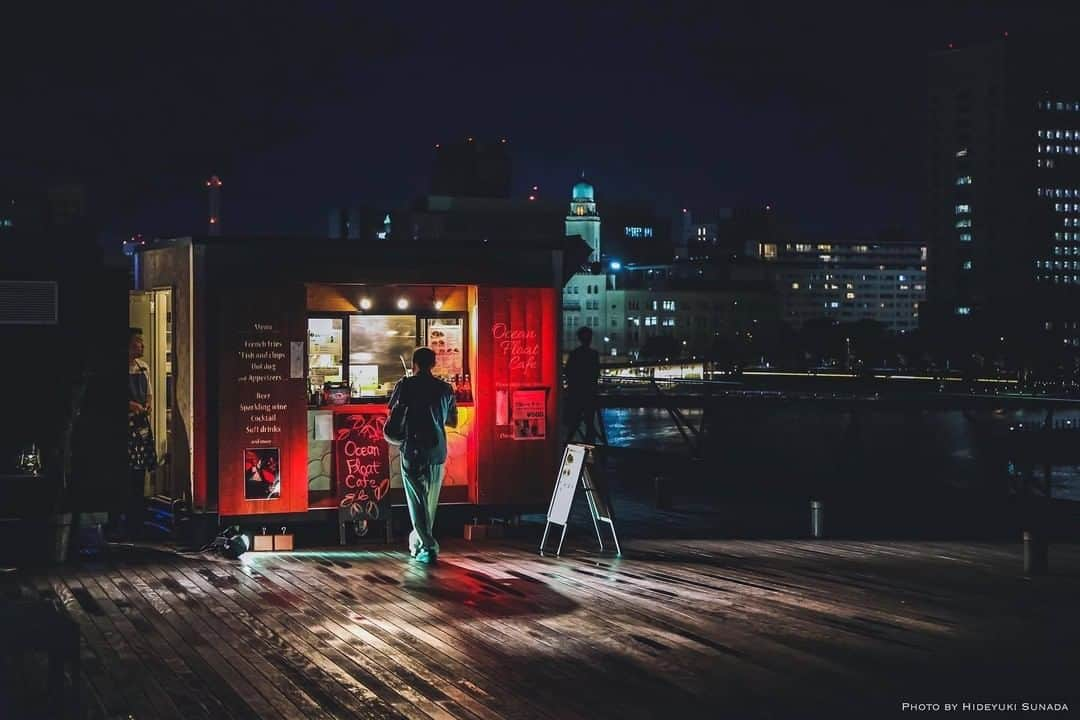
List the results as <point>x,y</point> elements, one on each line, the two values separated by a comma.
<point>402,303</point>
<point>438,304</point>
<point>365,303</point>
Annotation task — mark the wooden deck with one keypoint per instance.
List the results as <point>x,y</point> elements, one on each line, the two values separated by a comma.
<point>710,628</point>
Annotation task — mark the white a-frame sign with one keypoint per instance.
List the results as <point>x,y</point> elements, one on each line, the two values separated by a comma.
<point>574,467</point>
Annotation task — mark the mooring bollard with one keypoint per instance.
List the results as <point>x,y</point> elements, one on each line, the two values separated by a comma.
<point>662,495</point>
<point>817,518</point>
<point>1035,553</point>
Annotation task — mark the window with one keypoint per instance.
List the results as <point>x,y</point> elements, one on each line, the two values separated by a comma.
<point>963,208</point>
<point>965,237</point>
<point>668,305</point>
<point>794,286</point>
<point>966,265</point>
<point>963,180</point>
<point>650,321</point>
<point>963,310</point>
<point>668,322</point>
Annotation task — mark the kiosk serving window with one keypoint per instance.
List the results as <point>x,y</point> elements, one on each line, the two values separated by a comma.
<point>361,338</point>
<point>380,349</point>
<point>325,351</point>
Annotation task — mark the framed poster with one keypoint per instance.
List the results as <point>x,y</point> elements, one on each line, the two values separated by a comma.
<point>529,414</point>
<point>446,339</point>
<point>262,473</point>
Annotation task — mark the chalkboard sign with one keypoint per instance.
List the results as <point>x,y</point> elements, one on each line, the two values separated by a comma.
<point>362,468</point>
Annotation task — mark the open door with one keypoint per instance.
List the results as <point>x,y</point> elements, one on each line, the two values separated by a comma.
<point>151,311</point>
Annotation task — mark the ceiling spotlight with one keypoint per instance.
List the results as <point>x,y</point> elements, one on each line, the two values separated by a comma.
<point>402,303</point>
<point>438,304</point>
<point>365,303</point>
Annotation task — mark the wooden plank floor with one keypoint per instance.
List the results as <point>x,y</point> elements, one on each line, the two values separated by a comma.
<point>702,628</point>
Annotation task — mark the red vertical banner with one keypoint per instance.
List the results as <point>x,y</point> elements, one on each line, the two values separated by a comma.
<point>262,404</point>
<point>517,398</point>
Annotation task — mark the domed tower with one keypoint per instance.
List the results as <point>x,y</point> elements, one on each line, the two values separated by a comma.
<point>583,219</point>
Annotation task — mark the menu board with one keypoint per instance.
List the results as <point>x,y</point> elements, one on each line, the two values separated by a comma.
<point>263,361</point>
<point>362,469</point>
<point>447,341</point>
<point>261,402</point>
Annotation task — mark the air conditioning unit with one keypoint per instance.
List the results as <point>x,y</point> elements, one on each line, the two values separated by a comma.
<point>29,302</point>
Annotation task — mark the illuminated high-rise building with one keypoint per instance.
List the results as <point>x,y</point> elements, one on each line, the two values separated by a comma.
<point>1003,210</point>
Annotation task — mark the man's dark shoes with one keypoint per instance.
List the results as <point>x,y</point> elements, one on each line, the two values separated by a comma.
<point>427,557</point>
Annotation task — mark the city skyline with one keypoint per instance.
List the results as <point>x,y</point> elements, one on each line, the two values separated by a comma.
<point>816,112</point>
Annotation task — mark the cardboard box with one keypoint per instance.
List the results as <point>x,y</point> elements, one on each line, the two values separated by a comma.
<point>476,532</point>
<point>262,543</point>
<point>283,542</point>
<point>483,532</point>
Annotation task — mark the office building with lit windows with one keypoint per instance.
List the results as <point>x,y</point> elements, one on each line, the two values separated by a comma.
<point>1003,207</point>
<point>848,282</point>
<point>680,310</point>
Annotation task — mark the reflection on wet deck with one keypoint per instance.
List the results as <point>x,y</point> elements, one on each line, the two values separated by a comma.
<point>716,628</point>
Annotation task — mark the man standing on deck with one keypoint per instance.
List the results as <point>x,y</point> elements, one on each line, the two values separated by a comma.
<point>429,409</point>
<point>582,374</point>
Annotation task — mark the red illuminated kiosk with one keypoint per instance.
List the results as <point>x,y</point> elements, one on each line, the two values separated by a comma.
<point>284,351</point>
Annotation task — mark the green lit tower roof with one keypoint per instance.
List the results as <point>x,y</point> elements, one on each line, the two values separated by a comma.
<point>583,191</point>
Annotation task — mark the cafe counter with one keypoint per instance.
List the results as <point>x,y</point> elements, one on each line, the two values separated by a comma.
<point>350,461</point>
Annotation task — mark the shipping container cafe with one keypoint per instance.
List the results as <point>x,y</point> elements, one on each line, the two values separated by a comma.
<point>278,356</point>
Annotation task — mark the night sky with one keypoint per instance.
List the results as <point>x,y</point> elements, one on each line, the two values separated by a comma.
<point>815,107</point>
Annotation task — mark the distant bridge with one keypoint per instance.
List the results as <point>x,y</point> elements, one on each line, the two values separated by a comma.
<point>880,390</point>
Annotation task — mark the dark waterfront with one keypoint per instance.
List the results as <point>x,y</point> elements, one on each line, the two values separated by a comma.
<point>892,473</point>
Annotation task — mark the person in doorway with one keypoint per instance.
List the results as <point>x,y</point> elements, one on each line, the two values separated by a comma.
<point>582,373</point>
<point>429,408</point>
<point>142,455</point>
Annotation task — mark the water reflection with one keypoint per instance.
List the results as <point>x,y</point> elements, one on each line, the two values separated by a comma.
<point>789,450</point>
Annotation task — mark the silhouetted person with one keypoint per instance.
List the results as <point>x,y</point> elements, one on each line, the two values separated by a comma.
<point>582,373</point>
<point>142,455</point>
<point>430,409</point>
